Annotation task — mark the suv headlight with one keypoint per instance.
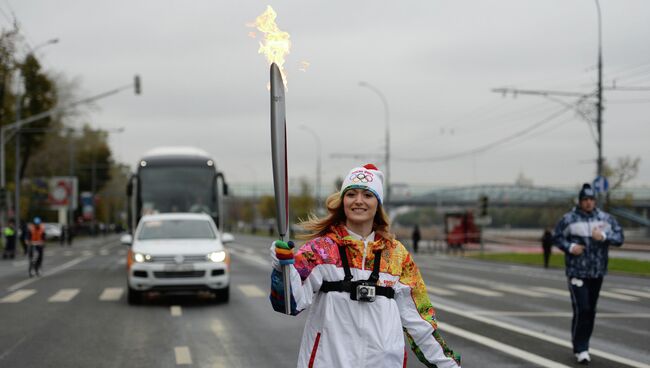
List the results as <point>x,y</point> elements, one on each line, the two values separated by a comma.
<point>219,256</point>
<point>141,257</point>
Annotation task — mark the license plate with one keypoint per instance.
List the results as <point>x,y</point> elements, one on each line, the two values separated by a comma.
<point>181,267</point>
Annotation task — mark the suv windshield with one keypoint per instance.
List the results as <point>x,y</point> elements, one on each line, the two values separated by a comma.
<point>176,229</point>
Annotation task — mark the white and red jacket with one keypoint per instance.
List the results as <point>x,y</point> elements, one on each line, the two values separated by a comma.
<point>341,332</point>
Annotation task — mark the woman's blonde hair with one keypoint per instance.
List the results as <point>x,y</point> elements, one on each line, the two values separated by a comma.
<point>317,227</point>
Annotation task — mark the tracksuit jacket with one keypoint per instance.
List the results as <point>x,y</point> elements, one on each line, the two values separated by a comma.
<point>576,227</point>
<point>340,332</point>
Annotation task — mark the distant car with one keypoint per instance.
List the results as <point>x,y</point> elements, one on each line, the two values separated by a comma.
<point>177,253</point>
<point>53,230</point>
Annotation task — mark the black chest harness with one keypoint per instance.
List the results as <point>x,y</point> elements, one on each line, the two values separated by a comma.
<point>349,286</point>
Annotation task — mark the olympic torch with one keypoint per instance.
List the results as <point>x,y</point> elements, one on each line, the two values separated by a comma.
<point>280,179</point>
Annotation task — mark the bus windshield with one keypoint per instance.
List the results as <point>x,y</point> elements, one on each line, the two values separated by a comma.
<point>176,229</point>
<point>177,189</point>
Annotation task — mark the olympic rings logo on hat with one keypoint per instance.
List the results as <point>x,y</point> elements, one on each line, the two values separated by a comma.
<point>362,176</point>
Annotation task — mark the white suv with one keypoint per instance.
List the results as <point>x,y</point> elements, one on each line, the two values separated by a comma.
<point>177,252</point>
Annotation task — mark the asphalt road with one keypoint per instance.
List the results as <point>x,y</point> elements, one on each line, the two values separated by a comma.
<point>495,315</point>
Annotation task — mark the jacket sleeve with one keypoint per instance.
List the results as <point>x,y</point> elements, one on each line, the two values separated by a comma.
<point>419,319</point>
<point>304,282</point>
<point>560,234</point>
<point>614,235</point>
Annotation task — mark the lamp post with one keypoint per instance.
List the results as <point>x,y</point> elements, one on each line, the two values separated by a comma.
<point>387,156</point>
<point>318,162</point>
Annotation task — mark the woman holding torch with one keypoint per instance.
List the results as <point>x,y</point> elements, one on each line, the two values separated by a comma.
<point>360,285</point>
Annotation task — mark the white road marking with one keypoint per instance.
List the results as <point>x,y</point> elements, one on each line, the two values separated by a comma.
<point>552,291</point>
<point>87,253</point>
<point>545,337</point>
<point>609,294</point>
<point>176,310</point>
<point>63,295</point>
<point>252,291</point>
<point>122,261</point>
<point>68,253</point>
<point>518,290</point>
<point>57,269</point>
<point>19,263</point>
<point>183,356</point>
<point>103,252</point>
<point>474,290</point>
<point>111,294</point>
<point>18,296</point>
<point>440,291</point>
<point>496,345</point>
<point>642,294</point>
<point>217,327</point>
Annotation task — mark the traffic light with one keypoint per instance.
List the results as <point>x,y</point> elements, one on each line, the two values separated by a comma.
<point>483,205</point>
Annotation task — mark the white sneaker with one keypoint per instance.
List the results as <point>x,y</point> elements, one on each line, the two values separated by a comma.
<point>583,357</point>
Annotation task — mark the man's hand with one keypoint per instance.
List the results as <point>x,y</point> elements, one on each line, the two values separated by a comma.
<point>577,249</point>
<point>597,234</point>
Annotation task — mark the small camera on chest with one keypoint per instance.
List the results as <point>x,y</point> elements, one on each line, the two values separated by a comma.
<point>365,293</point>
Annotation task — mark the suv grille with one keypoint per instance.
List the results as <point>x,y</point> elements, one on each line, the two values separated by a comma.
<point>177,274</point>
<point>186,259</point>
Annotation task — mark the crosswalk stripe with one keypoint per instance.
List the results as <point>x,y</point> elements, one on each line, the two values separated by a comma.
<point>440,291</point>
<point>18,296</point>
<point>474,290</point>
<point>183,356</point>
<point>63,295</point>
<point>176,310</point>
<point>87,253</point>
<point>609,294</point>
<point>252,291</point>
<point>103,252</point>
<point>111,294</point>
<point>642,294</point>
<point>518,290</point>
<point>217,327</point>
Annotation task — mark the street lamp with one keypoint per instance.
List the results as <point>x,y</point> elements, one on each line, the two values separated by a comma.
<point>6,131</point>
<point>386,115</point>
<point>318,162</point>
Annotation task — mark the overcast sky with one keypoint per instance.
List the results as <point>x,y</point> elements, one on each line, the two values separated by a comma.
<point>436,62</point>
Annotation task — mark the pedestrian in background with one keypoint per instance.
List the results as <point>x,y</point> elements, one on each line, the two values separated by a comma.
<point>10,241</point>
<point>547,245</point>
<point>416,238</point>
<point>24,236</point>
<point>361,286</point>
<point>585,234</point>
<point>36,240</point>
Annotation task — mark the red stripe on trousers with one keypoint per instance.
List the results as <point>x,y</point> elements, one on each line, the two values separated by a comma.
<point>313,351</point>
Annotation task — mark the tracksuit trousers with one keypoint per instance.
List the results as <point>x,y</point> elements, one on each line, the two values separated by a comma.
<point>584,296</point>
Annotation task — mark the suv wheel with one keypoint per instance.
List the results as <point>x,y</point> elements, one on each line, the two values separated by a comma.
<point>134,297</point>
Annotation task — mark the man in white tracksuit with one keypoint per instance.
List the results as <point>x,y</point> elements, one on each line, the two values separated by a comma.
<point>361,287</point>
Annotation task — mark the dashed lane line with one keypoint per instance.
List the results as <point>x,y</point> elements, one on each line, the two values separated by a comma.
<point>544,337</point>
<point>63,295</point>
<point>183,356</point>
<point>496,345</point>
<point>111,294</point>
<point>553,291</point>
<point>18,296</point>
<point>176,310</point>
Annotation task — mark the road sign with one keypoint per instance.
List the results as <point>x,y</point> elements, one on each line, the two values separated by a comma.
<point>600,184</point>
<point>62,192</point>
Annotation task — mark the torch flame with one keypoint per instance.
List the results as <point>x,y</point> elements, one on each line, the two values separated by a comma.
<point>276,42</point>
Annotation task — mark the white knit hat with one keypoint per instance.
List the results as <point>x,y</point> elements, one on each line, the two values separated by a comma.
<point>367,177</point>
